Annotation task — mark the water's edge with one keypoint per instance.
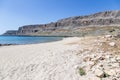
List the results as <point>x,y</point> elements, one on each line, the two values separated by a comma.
<point>22,40</point>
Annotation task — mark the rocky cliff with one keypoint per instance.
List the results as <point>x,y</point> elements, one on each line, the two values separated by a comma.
<point>11,32</point>
<point>95,24</point>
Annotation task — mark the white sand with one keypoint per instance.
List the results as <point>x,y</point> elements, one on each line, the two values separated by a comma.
<point>45,61</point>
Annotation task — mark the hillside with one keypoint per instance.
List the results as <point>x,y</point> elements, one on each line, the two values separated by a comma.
<point>96,24</point>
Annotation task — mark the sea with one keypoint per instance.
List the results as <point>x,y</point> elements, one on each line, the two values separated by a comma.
<point>27,39</point>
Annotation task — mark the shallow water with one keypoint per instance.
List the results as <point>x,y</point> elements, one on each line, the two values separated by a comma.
<point>26,39</point>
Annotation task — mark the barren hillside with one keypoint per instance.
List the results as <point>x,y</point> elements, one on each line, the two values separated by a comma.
<point>74,26</point>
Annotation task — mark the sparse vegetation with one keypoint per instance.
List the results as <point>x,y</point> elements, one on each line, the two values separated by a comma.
<point>82,71</point>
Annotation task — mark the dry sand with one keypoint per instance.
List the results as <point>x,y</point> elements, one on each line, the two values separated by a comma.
<point>45,61</point>
<point>62,60</point>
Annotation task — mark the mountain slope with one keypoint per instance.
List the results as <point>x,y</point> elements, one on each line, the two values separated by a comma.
<point>74,26</point>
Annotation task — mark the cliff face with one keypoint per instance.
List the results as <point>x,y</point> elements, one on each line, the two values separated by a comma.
<point>11,32</point>
<point>75,26</point>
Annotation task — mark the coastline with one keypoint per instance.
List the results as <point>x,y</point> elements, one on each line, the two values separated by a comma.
<point>64,40</point>
<point>34,59</point>
<point>23,40</point>
<point>59,60</point>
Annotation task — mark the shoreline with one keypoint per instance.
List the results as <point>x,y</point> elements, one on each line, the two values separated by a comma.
<point>34,36</point>
<point>29,43</point>
<point>23,40</point>
<point>61,60</point>
<point>63,40</point>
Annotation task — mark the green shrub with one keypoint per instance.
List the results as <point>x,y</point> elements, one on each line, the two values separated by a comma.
<point>82,71</point>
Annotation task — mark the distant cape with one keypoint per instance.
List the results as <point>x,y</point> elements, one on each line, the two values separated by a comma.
<point>100,23</point>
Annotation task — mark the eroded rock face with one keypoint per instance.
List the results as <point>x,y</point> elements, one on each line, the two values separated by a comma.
<point>11,32</point>
<point>69,26</point>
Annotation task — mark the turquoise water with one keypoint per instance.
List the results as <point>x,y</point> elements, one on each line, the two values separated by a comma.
<point>26,39</point>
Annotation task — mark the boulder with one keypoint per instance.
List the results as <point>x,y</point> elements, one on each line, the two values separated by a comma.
<point>112,44</point>
<point>110,72</point>
<point>115,65</point>
<point>108,36</point>
<point>94,78</point>
<point>99,73</point>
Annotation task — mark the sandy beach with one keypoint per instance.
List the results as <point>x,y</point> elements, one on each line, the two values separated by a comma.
<point>45,61</point>
<point>86,58</point>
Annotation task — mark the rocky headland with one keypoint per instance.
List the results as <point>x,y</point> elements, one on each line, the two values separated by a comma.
<point>101,23</point>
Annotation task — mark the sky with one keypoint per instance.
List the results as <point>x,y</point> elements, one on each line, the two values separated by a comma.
<point>17,13</point>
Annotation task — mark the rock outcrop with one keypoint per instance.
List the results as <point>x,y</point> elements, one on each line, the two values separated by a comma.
<point>11,32</point>
<point>99,59</point>
<point>75,26</point>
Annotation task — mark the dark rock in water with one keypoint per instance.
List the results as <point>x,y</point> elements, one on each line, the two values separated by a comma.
<point>74,26</point>
<point>6,44</point>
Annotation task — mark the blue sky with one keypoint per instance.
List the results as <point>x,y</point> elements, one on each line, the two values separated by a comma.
<point>16,13</point>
